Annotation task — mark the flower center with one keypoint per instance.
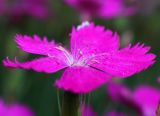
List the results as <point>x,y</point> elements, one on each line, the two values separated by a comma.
<point>87,60</point>
<point>72,60</point>
<point>80,59</point>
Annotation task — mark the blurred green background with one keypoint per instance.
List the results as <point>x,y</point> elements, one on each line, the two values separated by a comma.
<point>36,89</point>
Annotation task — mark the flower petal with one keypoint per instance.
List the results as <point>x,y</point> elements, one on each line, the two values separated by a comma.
<point>114,113</point>
<point>90,39</point>
<point>118,92</point>
<point>43,47</point>
<point>3,108</point>
<point>148,98</point>
<point>87,110</point>
<point>127,61</point>
<point>35,45</point>
<point>19,110</point>
<point>46,64</point>
<point>82,79</point>
<point>116,8</point>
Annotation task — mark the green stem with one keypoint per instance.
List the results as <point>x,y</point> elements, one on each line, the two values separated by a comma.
<point>58,100</point>
<point>70,104</point>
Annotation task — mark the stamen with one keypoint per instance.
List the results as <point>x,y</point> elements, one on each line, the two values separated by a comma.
<point>67,54</point>
<point>92,58</point>
<point>52,56</point>
<point>80,52</point>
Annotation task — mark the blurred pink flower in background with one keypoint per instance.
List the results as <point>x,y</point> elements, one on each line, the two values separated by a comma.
<point>119,92</point>
<point>144,97</point>
<point>103,8</point>
<point>115,114</point>
<point>148,98</point>
<point>94,58</point>
<point>158,79</point>
<point>35,8</point>
<point>88,111</point>
<point>14,110</point>
<point>2,7</point>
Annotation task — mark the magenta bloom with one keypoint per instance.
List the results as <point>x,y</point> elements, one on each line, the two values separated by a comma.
<point>146,98</point>
<point>88,111</point>
<point>95,57</point>
<point>102,8</point>
<point>35,8</point>
<point>113,113</point>
<point>2,7</point>
<point>158,79</point>
<point>14,110</point>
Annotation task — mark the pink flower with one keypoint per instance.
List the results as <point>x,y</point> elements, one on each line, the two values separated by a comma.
<point>14,110</point>
<point>148,98</point>
<point>35,8</point>
<point>2,7</point>
<point>95,57</point>
<point>120,92</point>
<point>144,98</point>
<point>113,113</point>
<point>88,111</point>
<point>102,8</point>
<point>158,79</point>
